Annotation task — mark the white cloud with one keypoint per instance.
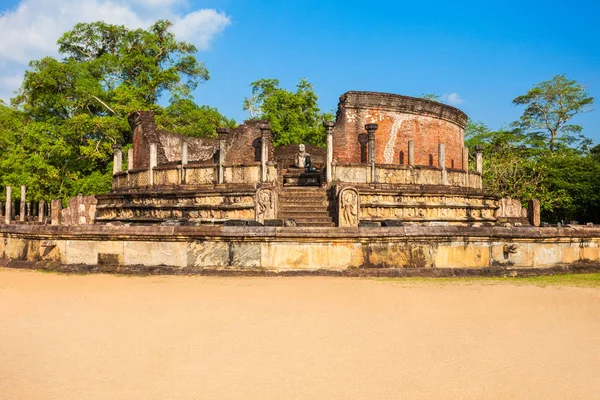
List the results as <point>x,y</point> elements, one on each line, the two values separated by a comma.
<point>453,99</point>
<point>31,29</point>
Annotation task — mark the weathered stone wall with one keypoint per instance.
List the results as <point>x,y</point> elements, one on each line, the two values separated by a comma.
<point>400,119</point>
<point>81,211</point>
<point>168,145</point>
<point>297,249</point>
<point>243,144</point>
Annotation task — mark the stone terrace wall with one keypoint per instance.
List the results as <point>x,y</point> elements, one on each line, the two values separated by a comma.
<point>400,119</point>
<point>221,248</point>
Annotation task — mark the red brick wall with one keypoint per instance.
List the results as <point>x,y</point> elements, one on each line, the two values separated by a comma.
<point>243,144</point>
<point>400,119</point>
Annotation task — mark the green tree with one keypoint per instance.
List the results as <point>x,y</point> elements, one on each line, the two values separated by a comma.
<point>69,112</point>
<point>187,118</point>
<point>549,107</point>
<point>294,117</point>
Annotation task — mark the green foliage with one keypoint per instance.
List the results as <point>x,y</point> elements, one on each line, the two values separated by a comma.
<point>57,135</point>
<point>549,107</point>
<point>432,97</point>
<point>187,118</point>
<point>294,117</point>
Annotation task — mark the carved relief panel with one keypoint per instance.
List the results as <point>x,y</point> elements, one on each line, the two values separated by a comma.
<point>348,207</point>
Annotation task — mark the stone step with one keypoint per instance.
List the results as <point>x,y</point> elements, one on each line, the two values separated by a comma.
<point>305,201</point>
<point>305,208</point>
<point>315,224</point>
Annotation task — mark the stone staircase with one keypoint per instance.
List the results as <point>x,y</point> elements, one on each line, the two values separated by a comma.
<point>307,205</point>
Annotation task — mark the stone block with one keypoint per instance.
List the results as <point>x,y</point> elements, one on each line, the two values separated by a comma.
<point>534,212</point>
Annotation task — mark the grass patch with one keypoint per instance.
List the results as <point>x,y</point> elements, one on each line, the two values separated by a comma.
<point>580,280</point>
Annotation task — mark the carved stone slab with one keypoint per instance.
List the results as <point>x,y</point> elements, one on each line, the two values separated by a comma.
<point>348,207</point>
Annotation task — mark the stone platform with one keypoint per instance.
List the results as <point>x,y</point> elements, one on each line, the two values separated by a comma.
<point>274,250</point>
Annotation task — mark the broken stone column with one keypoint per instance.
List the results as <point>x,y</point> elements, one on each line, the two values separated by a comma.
<point>411,153</point>
<point>465,165</point>
<point>533,211</point>
<point>265,131</point>
<point>28,209</point>
<point>371,128</point>
<point>184,162</point>
<point>479,162</point>
<point>329,163</point>
<point>153,162</point>
<point>41,211</point>
<point>22,210</point>
<point>8,209</point>
<point>479,158</point>
<point>56,212</point>
<point>442,162</point>
<point>222,132</point>
<point>465,158</point>
<point>117,158</point>
<point>129,159</point>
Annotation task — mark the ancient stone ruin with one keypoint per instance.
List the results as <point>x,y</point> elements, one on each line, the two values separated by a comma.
<point>394,190</point>
<point>398,159</point>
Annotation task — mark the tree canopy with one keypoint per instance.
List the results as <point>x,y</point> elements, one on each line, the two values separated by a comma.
<point>58,133</point>
<point>549,107</point>
<point>294,117</point>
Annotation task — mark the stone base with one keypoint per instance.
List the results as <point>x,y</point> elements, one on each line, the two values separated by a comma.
<point>289,250</point>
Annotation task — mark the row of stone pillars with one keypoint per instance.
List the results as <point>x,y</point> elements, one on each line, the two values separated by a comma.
<point>28,210</point>
<point>372,128</point>
<point>222,132</point>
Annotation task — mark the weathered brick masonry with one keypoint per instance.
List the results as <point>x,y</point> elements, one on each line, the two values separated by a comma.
<point>400,119</point>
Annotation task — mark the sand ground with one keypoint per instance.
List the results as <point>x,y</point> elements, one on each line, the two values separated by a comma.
<point>109,337</point>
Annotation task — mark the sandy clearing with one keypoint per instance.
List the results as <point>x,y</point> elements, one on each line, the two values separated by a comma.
<point>108,337</point>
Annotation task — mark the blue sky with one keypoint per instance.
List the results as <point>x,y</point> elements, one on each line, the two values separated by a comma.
<point>479,54</point>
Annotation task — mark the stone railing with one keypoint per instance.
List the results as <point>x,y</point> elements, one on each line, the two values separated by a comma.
<point>405,175</point>
<point>192,175</point>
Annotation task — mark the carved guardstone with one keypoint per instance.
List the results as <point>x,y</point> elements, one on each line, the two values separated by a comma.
<point>265,203</point>
<point>348,207</point>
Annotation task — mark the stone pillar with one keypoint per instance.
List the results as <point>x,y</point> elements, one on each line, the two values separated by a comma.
<point>329,163</point>
<point>56,212</point>
<point>153,161</point>
<point>371,128</point>
<point>465,164</point>
<point>184,162</point>
<point>533,212</point>
<point>8,209</point>
<point>22,210</point>
<point>479,158</point>
<point>265,131</point>
<point>479,162</point>
<point>411,153</point>
<point>41,211</point>
<point>465,158</point>
<point>117,158</point>
<point>28,209</point>
<point>129,159</point>
<point>223,132</point>
<point>442,162</point>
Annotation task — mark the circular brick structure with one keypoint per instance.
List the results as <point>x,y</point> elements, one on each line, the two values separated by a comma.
<point>400,119</point>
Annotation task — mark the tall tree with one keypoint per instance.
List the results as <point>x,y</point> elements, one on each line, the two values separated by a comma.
<point>549,107</point>
<point>294,117</point>
<point>75,108</point>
